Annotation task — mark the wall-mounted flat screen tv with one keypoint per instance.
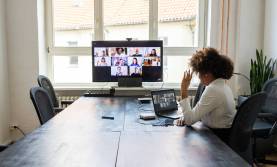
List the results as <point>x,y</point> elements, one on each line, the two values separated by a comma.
<point>114,59</point>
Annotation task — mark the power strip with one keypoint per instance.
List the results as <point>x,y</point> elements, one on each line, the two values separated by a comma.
<point>147,116</point>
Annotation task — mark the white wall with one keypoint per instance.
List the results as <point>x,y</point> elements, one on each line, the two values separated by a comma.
<point>4,87</point>
<point>250,35</point>
<point>23,62</point>
<point>270,31</point>
<point>43,56</point>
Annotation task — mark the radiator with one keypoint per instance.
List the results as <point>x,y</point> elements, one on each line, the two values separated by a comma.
<point>64,101</point>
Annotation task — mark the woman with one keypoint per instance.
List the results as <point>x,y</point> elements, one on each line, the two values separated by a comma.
<point>156,61</point>
<point>153,53</point>
<point>135,62</point>
<point>120,52</point>
<point>216,107</point>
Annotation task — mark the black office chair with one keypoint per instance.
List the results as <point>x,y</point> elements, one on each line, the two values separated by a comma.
<point>42,103</point>
<point>266,123</point>
<point>45,83</point>
<point>198,94</point>
<point>241,130</point>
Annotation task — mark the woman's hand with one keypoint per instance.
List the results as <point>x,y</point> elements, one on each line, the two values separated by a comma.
<point>185,83</point>
<point>180,121</point>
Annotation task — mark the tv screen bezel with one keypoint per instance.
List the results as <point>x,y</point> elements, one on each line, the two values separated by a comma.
<point>135,43</point>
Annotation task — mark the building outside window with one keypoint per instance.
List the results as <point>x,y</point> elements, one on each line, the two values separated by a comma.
<point>73,24</point>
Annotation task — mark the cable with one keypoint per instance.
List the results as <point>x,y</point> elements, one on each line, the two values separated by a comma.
<point>162,85</point>
<point>166,76</point>
<point>141,108</point>
<point>138,120</point>
<point>146,109</point>
<point>237,73</point>
<point>156,122</point>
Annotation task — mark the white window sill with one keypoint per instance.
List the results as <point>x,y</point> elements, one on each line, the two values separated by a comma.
<point>108,85</point>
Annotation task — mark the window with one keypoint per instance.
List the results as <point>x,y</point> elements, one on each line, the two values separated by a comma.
<point>74,60</point>
<point>164,39</point>
<point>77,3</point>
<point>73,24</point>
<point>177,22</point>
<point>126,19</point>
<point>72,69</point>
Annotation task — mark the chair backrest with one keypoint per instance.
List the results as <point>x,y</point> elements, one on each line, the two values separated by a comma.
<point>244,120</point>
<point>270,87</point>
<point>45,83</point>
<point>42,103</point>
<point>198,95</point>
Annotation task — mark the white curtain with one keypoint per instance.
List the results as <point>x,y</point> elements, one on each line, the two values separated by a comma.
<point>222,30</point>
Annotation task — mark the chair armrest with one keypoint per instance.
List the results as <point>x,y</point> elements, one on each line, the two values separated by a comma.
<point>273,130</point>
<point>240,100</point>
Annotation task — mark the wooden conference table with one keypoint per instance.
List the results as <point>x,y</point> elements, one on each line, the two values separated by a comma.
<point>79,137</point>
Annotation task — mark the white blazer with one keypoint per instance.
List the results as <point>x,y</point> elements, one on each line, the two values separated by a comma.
<point>216,107</point>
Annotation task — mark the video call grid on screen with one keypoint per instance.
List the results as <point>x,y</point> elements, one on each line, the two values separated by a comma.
<point>115,59</point>
<point>127,61</point>
<point>165,100</point>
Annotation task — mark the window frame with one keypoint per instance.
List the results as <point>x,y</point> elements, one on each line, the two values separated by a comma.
<point>99,35</point>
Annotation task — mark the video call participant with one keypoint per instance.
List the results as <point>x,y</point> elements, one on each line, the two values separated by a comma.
<point>119,61</point>
<point>153,53</point>
<point>104,53</point>
<point>120,52</point>
<point>216,107</point>
<point>137,54</point>
<point>136,73</point>
<point>156,61</point>
<point>101,52</point>
<point>135,62</point>
<point>118,71</point>
<point>147,62</point>
<point>112,51</point>
<point>102,62</point>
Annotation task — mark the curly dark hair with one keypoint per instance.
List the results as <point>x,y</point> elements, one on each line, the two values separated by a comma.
<point>208,60</point>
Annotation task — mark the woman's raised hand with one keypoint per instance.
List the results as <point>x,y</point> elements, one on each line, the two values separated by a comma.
<point>185,83</point>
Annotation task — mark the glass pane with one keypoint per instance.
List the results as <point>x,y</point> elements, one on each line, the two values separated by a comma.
<point>73,22</point>
<point>126,19</point>
<point>174,67</point>
<point>72,69</point>
<point>177,22</point>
